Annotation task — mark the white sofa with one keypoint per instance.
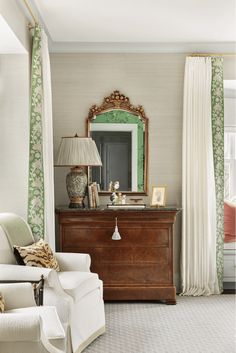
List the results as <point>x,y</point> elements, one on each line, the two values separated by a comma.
<point>76,293</point>
<point>27,328</point>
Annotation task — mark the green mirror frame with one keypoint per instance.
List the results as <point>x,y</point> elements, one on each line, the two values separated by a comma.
<point>117,109</point>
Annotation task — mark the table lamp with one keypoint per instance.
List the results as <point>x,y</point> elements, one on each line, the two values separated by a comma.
<point>77,152</point>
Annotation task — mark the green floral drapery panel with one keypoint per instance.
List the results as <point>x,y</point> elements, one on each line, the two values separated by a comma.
<point>36,178</point>
<point>217,107</point>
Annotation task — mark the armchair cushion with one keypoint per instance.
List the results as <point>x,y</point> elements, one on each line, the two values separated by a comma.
<point>17,295</point>
<point>78,284</point>
<point>38,255</point>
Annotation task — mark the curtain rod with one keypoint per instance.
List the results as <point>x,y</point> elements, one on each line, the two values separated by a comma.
<point>30,26</point>
<point>212,54</point>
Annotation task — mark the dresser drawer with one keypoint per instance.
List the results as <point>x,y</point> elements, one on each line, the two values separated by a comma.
<point>135,236</point>
<point>132,255</point>
<point>132,274</point>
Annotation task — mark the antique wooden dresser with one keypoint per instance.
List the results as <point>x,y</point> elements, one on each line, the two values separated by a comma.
<point>137,267</point>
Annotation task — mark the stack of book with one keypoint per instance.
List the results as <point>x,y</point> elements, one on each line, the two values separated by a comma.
<point>93,197</point>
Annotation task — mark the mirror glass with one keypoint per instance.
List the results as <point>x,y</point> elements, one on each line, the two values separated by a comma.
<point>120,132</point>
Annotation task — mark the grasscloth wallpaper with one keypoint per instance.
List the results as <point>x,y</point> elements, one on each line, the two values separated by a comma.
<point>152,80</point>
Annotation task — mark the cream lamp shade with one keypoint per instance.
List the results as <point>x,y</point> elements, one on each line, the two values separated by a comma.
<point>77,152</point>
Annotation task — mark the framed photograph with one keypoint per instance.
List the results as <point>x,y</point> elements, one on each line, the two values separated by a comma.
<point>158,196</point>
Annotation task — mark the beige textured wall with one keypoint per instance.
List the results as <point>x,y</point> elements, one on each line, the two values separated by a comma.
<point>14,131</point>
<point>153,80</point>
<point>14,115</point>
<point>16,19</point>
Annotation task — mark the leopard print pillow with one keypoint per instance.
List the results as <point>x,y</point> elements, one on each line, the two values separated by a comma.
<point>2,303</point>
<point>38,254</point>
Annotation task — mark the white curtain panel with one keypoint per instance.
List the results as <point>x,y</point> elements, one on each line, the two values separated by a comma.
<point>47,127</point>
<point>198,183</point>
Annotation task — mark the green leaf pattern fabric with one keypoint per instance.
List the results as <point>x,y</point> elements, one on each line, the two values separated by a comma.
<point>36,177</point>
<point>217,100</point>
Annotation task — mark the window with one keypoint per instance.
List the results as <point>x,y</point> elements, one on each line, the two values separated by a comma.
<point>230,163</point>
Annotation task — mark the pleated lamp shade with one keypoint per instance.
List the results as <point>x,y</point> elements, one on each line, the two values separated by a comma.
<point>78,151</point>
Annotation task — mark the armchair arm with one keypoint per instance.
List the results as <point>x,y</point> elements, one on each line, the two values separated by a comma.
<point>23,327</point>
<point>17,328</point>
<point>73,261</point>
<point>30,273</point>
<point>17,295</point>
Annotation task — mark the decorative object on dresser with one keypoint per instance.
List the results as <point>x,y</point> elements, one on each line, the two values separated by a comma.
<point>113,187</point>
<point>158,196</point>
<point>126,206</point>
<point>137,267</point>
<point>136,200</point>
<point>77,152</point>
<point>93,197</point>
<point>120,131</point>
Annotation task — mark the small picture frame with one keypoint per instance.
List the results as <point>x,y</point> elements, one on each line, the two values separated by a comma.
<point>158,196</point>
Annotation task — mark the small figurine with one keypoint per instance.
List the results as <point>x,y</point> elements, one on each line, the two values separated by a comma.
<point>123,200</point>
<point>113,198</point>
<point>116,185</point>
<point>119,198</point>
<point>113,187</point>
<point>110,187</point>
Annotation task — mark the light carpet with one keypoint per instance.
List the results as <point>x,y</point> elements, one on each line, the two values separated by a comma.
<point>194,325</point>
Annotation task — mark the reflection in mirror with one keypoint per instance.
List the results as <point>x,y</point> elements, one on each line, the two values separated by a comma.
<point>120,131</point>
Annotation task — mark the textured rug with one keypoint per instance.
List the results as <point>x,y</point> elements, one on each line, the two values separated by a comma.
<point>194,325</point>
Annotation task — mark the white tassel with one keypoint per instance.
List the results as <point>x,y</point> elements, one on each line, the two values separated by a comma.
<point>116,234</point>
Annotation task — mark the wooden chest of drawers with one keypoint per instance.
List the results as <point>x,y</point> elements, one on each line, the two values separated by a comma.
<point>137,267</point>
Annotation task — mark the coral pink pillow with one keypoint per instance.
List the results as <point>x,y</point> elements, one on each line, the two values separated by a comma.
<point>229,222</point>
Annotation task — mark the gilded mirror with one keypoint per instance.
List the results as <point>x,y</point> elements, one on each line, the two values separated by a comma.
<point>120,131</point>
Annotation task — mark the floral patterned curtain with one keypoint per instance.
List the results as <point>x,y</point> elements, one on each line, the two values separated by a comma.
<point>36,174</point>
<point>217,111</point>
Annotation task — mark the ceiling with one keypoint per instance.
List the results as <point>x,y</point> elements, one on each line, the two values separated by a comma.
<point>138,21</point>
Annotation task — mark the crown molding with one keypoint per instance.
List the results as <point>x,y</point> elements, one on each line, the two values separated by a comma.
<point>115,47</point>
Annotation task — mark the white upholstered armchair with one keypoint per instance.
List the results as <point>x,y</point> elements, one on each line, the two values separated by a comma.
<point>27,328</point>
<point>76,293</point>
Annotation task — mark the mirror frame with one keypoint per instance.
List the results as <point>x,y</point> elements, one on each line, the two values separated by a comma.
<point>118,101</point>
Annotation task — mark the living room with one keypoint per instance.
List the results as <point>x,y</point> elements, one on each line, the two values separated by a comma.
<point>133,60</point>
